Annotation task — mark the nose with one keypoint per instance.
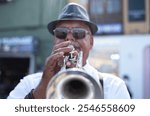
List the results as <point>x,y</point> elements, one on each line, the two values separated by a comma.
<point>70,37</point>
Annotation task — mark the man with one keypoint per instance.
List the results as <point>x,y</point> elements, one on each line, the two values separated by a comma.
<point>74,28</point>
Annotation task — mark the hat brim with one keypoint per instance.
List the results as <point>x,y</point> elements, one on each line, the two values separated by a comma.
<point>52,25</point>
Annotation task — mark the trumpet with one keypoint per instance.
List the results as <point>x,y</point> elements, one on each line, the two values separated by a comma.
<point>73,83</point>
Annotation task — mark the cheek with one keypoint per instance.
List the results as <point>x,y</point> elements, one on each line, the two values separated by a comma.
<point>86,47</point>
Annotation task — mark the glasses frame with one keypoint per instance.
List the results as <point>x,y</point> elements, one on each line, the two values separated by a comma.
<point>74,31</point>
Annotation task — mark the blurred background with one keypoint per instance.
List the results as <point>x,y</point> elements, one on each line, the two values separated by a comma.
<point>121,45</point>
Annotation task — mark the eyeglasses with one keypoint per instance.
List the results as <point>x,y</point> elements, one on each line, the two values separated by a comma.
<point>78,33</point>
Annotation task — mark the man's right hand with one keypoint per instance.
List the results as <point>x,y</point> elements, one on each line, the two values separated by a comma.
<point>52,66</point>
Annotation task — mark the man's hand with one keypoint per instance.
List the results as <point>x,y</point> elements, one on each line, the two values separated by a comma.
<point>52,66</point>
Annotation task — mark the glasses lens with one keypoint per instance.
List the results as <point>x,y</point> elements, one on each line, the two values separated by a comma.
<point>60,33</point>
<point>79,33</point>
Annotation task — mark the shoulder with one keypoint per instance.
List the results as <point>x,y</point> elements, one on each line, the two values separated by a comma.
<point>111,78</point>
<point>112,81</point>
<point>34,76</point>
<point>32,80</point>
<point>25,85</point>
<point>114,87</point>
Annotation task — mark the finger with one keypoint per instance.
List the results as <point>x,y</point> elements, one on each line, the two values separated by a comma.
<point>51,67</point>
<point>64,50</point>
<point>53,59</point>
<point>61,45</point>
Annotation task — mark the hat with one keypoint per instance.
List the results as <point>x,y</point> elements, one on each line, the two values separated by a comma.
<point>73,11</point>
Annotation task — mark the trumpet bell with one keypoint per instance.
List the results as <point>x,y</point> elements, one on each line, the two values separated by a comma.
<point>73,83</point>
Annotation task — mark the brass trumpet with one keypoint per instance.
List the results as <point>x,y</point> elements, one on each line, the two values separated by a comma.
<point>73,83</point>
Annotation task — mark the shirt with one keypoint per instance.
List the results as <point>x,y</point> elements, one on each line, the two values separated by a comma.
<point>113,86</point>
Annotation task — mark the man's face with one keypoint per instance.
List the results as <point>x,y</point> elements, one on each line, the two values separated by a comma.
<point>81,44</point>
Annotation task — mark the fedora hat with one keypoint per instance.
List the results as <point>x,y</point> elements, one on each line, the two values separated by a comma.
<point>75,12</point>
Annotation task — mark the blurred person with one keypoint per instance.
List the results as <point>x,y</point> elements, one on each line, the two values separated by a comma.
<point>73,27</point>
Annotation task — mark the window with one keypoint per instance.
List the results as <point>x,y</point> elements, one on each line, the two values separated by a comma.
<point>107,14</point>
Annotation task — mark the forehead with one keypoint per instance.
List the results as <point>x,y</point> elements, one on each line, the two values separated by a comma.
<point>70,24</point>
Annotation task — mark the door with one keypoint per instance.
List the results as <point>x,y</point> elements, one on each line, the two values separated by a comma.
<point>147,72</point>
